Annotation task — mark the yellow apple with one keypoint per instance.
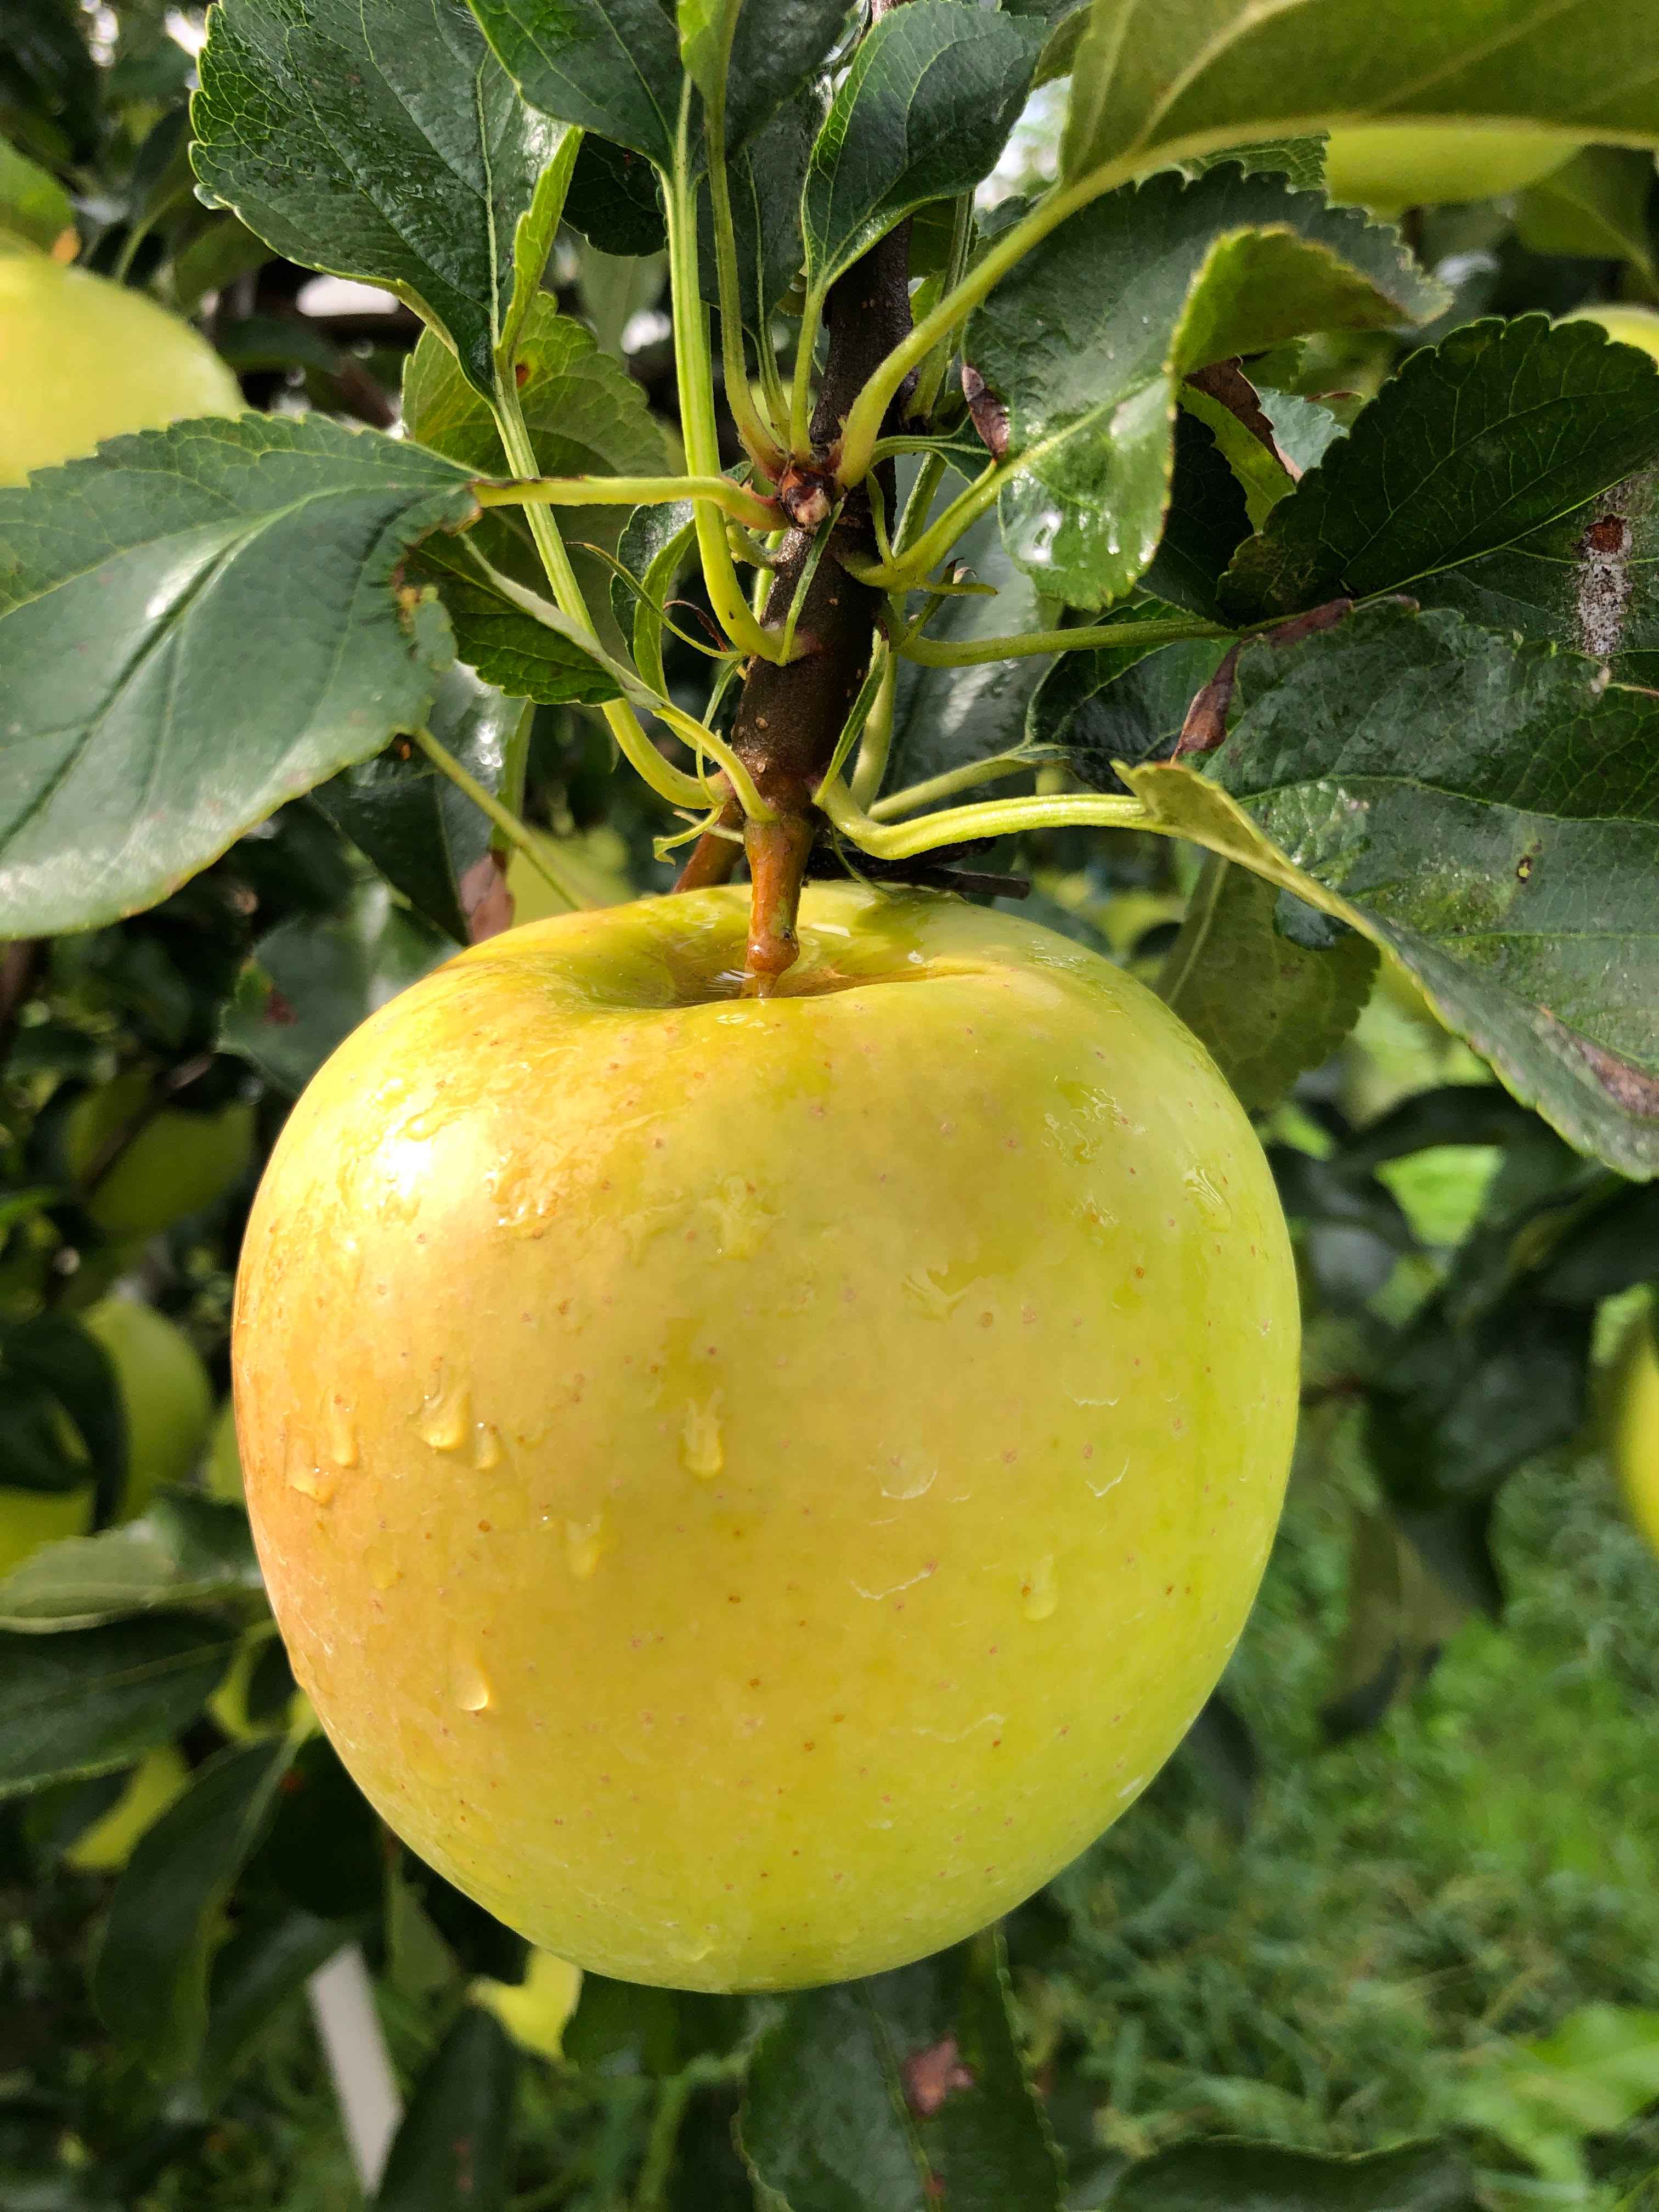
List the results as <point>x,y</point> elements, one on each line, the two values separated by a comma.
<point>156,1782</point>
<point>168,1402</point>
<point>535,2012</point>
<point>1390,167</point>
<point>1633,1424</point>
<point>178,1161</point>
<point>751,1486</point>
<point>1636,326</point>
<point>82,359</point>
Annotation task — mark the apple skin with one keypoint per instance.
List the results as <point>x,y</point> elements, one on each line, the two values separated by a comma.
<point>82,359</point>
<point>1633,1424</point>
<point>177,1163</point>
<point>1390,166</point>
<point>106,1845</point>
<point>751,1486</point>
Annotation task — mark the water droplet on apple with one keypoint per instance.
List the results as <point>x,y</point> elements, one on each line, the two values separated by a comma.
<point>338,1426</point>
<point>312,1482</point>
<point>446,1417</point>
<point>1214,1206</point>
<point>703,1447</point>
<point>908,1474</point>
<point>1039,1591</point>
<point>469,1683</point>
<point>486,1447</point>
<point>585,1543</point>
<point>382,1564</point>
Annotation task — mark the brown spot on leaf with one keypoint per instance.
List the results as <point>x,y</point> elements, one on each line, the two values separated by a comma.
<point>931,2076</point>
<point>278,1011</point>
<point>1601,585</point>
<point>990,415</point>
<point>1207,718</point>
<point>1631,1089</point>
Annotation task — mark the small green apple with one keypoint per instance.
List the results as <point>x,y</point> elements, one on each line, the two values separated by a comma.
<point>178,1161</point>
<point>1390,166</point>
<point>82,359</point>
<point>165,1392</point>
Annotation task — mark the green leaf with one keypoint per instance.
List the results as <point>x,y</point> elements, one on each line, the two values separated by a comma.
<point>1120,703</point>
<point>46,71</point>
<point>386,143</point>
<point>149,1979</point>
<point>85,1703</point>
<point>313,980</point>
<point>614,199</point>
<point>889,2095</point>
<point>57,1355</point>
<point>421,832</point>
<point>453,2146</point>
<point>656,545</point>
<point>779,46</point>
<point>33,205</point>
<point>1242,2177</point>
<point>1205,523</point>
<point>1591,2077</point>
<point>1595,206</point>
<point>586,417</point>
<point>198,624</point>
<point>612,66</point>
<point>1399,1617</point>
<point>1087,340</point>
<point>944,717</point>
<point>765,182</point>
<point>1152,80</point>
<point>264,1964</point>
<point>1265,1008</point>
<point>922,113</point>
<point>1498,433</point>
<point>183,1550</point>
<point>619,2028</point>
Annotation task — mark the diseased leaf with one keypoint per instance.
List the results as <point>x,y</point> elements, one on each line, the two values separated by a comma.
<point>1108,703</point>
<point>922,113</point>
<point>421,832</point>
<point>386,143</point>
<point>149,1979</point>
<point>612,66</point>
<point>86,1704</point>
<point>453,2146</point>
<point>943,718</point>
<point>1497,434</point>
<point>198,624</point>
<point>311,981</point>
<point>1265,1008</point>
<point>183,1550</point>
<point>1087,339</point>
<point>889,2094</point>
<point>1156,78</point>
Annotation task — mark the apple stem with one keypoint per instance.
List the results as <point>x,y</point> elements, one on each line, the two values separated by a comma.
<point>778,853</point>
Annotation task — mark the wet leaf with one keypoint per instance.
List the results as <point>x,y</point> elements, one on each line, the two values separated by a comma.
<point>183,1550</point>
<point>612,66</point>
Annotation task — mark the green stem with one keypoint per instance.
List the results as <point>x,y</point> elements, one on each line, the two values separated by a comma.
<point>931,374</point>
<point>864,419</point>
<point>952,780</point>
<point>745,505</point>
<point>759,439</point>
<point>941,535</point>
<point>801,390</point>
<point>876,741</point>
<point>703,739</point>
<point>696,397</point>
<point>509,824</point>
<point>777,399</point>
<point>991,818</point>
<point>624,724</point>
<point>969,652</point>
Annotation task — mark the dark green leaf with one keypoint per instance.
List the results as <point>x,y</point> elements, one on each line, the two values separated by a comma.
<point>32,204</point>
<point>264,1964</point>
<point>149,1980</point>
<point>613,66</point>
<point>922,112</point>
<point>47,73</point>
<point>1241,2177</point>
<point>1106,703</point>
<point>1205,522</point>
<point>614,199</point>
<point>58,1354</point>
<point>420,831</point>
<point>325,1851</point>
<point>183,1550</point>
<point>386,143</point>
<point>655,546</point>
<point>944,717</point>
<point>313,980</point>
<point>1606,1250</point>
<point>1088,337</point>
<point>453,2146</point>
<point>1397,736</point>
<point>508,645</point>
<point>198,624</point>
<point>1152,80</point>
<point>619,2029</point>
<point>83,1703</point>
<point>1398,1616</point>
<point>1265,1009</point>
<point>889,2094</point>
<point>1498,433</point>
<point>778,46</point>
<point>765,182</point>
